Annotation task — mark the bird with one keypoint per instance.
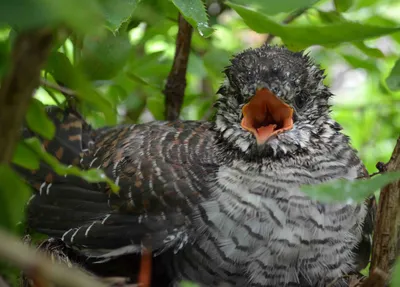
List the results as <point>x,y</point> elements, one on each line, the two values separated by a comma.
<point>220,201</point>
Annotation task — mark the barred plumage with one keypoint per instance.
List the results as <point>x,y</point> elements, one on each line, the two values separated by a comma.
<point>229,208</point>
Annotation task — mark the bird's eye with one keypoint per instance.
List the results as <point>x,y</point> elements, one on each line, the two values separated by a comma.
<point>300,101</point>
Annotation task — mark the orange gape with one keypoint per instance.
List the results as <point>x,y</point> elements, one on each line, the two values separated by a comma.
<point>144,279</point>
<point>266,115</point>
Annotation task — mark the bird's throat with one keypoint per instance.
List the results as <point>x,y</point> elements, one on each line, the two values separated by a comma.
<point>265,115</point>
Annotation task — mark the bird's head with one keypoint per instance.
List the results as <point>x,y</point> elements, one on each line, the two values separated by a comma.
<point>273,102</point>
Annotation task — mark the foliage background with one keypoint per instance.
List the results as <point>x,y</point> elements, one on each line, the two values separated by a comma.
<point>114,57</point>
<point>128,69</point>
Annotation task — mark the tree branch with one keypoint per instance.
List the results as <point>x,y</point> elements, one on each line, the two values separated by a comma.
<point>176,82</point>
<point>28,56</point>
<point>377,278</point>
<point>36,264</point>
<point>387,227</point>
<point>64,90</point>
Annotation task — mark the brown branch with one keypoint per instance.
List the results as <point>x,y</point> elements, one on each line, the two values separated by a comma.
<point>293,16</point>
<point>387,227</point>
<point>28,56</point>
<point>64,90</point>
<point>174,90</point>
<point>378,278</point>
<point>38,265</point>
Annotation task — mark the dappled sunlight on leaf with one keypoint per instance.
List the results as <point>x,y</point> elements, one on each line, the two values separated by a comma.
<point>195,13</point>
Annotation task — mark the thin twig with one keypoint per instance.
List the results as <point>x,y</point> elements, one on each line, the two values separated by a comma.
<point>64,90</point>
<point>381,169</point>
<point>35,263</point>
<point>174,90</point>
<point>385,248</point>
<point>28,56</point>
<point>52,95</point>
<point>287,20</point>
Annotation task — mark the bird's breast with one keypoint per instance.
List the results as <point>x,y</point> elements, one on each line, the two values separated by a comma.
<point>264,217</point>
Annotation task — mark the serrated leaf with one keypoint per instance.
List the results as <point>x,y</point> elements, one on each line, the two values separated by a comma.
<point>83,16</point>
<point>303,36</point>
<point>272,7</point>
<point>25,157</point>
<point>14,194</point>
<point>90,175</point>
<point>393,80</point>
<point>62,70</point>
<point>349,191</point>
<point>103,57</point>
<point>195,13</point>
<point>38,121</point>
<point>343,5</point>
<point>118,12</point>
<point>335,17</point>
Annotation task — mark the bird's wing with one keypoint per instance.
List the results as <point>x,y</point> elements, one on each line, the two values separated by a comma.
<point>162,170</point>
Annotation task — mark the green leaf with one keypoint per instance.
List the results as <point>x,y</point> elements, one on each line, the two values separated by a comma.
<point>356,62</point>
<point>5,56</point>
<point>82,16</point>
<point>188,284</point>
<point>195,13</point>
<point>330,16</point>
<point>272,7</point>
<point>90,175</point>
<point>72,77</point>
<point>103,57</point>
<point>335,17</point>
<point>38,120</point>
<point>347,190</point>
<point>343,5</point>
<point>142,81</point>
<point>118,12</point>
<point>393,81</point>
<point>14,194</point>
<point>25,157</point>
<point>372,52</point>
<point>300,37</point>
<point>396,275</point>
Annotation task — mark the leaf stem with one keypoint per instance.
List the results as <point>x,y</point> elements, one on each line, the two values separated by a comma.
<point>64,90</point>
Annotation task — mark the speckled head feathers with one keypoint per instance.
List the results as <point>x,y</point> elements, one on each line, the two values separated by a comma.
<point>295,79</point>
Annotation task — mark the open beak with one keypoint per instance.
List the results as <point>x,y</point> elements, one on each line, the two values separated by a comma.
<point>266,115</point>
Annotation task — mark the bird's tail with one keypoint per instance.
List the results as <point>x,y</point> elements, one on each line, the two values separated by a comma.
<point>60,203</point>
<point>73,211</point>
<point>72,138</point>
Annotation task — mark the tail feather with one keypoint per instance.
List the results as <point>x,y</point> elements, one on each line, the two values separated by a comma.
<point>60,202</point>
<point>71,139</point>
<point>84,215</point>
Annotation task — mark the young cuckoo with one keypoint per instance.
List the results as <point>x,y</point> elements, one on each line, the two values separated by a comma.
<point>216,202</point>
